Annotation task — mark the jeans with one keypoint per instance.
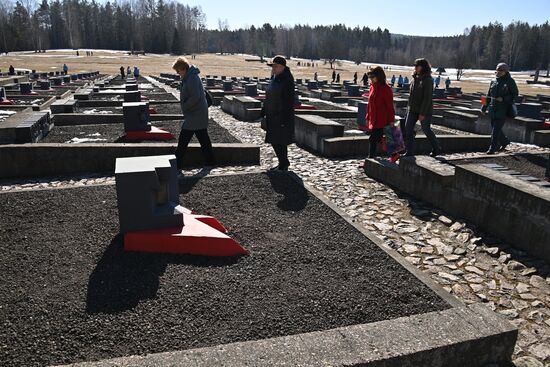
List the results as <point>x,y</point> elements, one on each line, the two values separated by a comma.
<point>204,140</point>
<point>281,150</point>
<point>498,138</point>
<point>374,138</point>
<point>410,123</point>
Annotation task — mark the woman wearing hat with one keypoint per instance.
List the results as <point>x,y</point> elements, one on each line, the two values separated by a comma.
<point>501,96</point>
<point>421,107</point>
<point>278,111</point>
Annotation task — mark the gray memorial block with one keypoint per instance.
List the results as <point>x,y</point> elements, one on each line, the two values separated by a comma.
<point>531,110</point>
<point>312,85</point>
<point>57,73</point>
<point>362,112</point>
<point>147,193</point>
<point>133,96</point>
<point>251,90</point>
<point>25,88</point>
<point>131,87</point>
<point>74,76</point>
<point>227,86</point>
<point>51,73</point>
<point>353,90</point>
<point>439,93</point>
<point>66,79</point>
<point>210,82</point>
<point>136,116</point>
<point>43,75</point>
<point>57,81</point>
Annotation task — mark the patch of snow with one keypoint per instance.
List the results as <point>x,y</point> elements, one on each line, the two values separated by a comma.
<point>83,140</point>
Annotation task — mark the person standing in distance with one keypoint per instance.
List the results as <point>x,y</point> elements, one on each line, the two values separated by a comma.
<point>278,111</point>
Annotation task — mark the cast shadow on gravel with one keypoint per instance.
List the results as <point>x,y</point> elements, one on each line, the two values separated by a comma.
<point>122,279</point>
<point>290,185</point>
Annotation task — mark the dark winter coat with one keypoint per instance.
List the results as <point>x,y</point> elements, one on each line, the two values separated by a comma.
<point>193,101</point>
<point>278,109</point>
<point>504,87</point>
<point>421,95</point>
<point>380,110</point>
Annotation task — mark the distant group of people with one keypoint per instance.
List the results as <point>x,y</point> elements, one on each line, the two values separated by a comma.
<point>129,72</point>
<point>88,53</point>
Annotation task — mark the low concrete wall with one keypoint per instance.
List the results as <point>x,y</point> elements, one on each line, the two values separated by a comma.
<point>542,138</point>
<point>359,145</point>
<point>311,130</point>
<point>520,129</point>
<point>330,114</point>
<point>490,197</point>
<point>35,160</point>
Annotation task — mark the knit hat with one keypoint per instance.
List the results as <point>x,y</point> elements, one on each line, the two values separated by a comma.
<point>503,66</point>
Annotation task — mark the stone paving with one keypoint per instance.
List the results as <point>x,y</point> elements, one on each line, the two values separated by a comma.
<point>466,262</point>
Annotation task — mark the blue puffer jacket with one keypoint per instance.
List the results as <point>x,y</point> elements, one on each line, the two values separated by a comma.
<point>193,101</point>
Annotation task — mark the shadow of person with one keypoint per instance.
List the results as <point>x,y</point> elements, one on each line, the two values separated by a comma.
<point>288,184</point>
<point>122,279</point>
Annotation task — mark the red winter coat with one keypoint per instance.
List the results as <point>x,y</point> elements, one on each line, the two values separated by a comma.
<point>380,110</point>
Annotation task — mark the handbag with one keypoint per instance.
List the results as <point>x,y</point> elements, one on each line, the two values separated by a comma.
<point>392,139</point>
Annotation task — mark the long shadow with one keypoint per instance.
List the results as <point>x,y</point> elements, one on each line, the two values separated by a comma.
<point>122,279</point>
<point>295,197</point>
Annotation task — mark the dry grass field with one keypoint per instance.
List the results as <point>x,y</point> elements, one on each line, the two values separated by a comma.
<point>108,61</point>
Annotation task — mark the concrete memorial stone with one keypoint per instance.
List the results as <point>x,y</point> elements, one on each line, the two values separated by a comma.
<point>132,96</point>
<point>136,116</point>
<point>251,90</point>
<point>152,219</point>
<point>25,127</point>
<point>25,88</point>
<point>227,86</point>
<point>44,84</point>
<point>353,90</point>
<point>131,87</point>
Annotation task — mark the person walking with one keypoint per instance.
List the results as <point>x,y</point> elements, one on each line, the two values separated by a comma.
<point>365,80</point>
<point>400,81</point>
<point>338,78</point>
<point>420,107</point>
<point>128,71</point>
<point>315,77</point>
<point>355,78</point>
<point>392,81</point>
<point>122,75</point>
<point>278,111</point>
<point>447,83</point>
<point>136,72</point>
<point>502,93</point>
<point>65,68</point>
<point>333,75</point>
<point>380,109</point>
<point>195,112</point>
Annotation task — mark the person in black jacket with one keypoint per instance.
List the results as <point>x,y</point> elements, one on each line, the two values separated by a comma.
<point>278,111</point>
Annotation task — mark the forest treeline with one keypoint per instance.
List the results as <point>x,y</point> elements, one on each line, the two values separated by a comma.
<point>161,26</point>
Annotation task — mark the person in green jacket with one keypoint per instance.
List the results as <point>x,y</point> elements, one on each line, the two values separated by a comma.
<point>502,93</point>
<point>420,107</point>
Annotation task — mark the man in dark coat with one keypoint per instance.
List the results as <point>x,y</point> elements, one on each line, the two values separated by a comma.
<point>278,111</point>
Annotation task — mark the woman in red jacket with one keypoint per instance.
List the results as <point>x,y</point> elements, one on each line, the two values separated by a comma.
<point>380,110</point>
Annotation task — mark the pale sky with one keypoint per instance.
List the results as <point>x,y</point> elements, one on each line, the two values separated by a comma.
<point>427,17</point>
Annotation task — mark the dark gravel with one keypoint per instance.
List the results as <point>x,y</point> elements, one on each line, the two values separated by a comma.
<point>527,164</point>
<point>69,292</point>
<point>112,133</point>
<point>165,108</point>
<point>29,101</point>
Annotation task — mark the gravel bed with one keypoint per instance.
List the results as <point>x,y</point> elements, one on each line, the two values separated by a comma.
<point>112,133</point>
<point>527,164</point>
<point>71,294</point>
<point>120,97</point>
<point>165,108</point>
